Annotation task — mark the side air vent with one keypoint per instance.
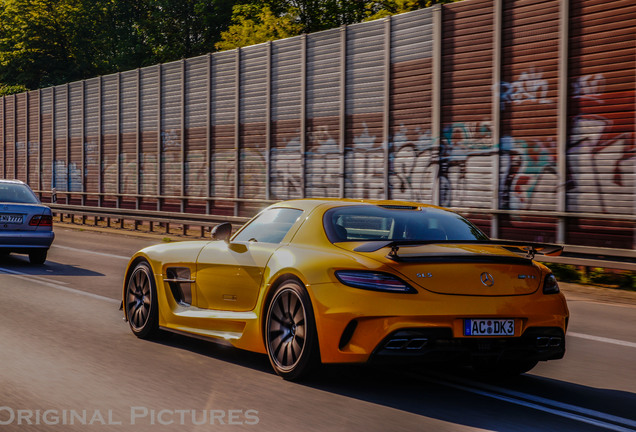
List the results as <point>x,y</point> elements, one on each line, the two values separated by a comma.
<point>178,278</point>
<point>347,334</point>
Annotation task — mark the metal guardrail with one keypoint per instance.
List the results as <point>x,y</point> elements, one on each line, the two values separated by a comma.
<point>620,259</point>
<point>165,219</point>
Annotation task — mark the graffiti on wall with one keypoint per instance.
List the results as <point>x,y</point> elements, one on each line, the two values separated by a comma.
<point>528,176</point>
<point>599,151</point>
<point>600,156</point>
<point>524,166</point>
<point>529,87</point>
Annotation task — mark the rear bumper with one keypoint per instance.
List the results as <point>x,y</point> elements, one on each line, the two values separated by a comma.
<point>23,241</point>
<point>439,345</point>
<point>354,326</point>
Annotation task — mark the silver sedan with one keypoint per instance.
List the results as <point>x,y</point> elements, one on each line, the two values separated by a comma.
<point>26,225</point>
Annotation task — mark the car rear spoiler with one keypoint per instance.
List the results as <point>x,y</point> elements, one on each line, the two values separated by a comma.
<point>530,249</point>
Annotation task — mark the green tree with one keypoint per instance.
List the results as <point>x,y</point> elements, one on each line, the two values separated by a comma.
<point>123,44</point>
<point>316,15</point>
<point>262,20</point>
<point>185,28</point>
<point>49,42</point>
<point>381,9</point>
<point>253,24</point>
<point>6,90</point>
<point>45,42</point>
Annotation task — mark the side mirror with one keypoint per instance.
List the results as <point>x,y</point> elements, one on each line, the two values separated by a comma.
<point>222,232</point>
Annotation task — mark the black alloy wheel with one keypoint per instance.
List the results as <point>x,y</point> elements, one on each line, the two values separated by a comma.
<point>141,302</point>
<point>292,343</point>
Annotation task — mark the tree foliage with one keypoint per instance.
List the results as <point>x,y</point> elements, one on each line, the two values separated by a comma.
<point>6,90</point>
<point>293,17</point>
<point>186,28</point>
<point>43,42</point>
<point>49,42</point>
<point>253,25</point>
<point>382,9</point>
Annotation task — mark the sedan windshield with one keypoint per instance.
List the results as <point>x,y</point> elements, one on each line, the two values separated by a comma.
<point>372,223</point>
<point>17,193</point>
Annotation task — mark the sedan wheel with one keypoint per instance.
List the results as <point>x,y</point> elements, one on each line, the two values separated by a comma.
<point>141,302</point>
<point>38,257</point>
<point>292,344</point>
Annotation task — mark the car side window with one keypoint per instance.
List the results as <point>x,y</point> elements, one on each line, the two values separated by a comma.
<point>270,226</point>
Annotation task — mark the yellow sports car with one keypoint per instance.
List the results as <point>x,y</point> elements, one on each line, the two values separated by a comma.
<point>353,281</point>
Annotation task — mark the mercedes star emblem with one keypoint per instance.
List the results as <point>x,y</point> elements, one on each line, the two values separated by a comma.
<point>487,279</point>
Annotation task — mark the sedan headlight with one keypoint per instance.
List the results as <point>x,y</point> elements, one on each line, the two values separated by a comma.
<point>374,281</point>
<point>550,285</point>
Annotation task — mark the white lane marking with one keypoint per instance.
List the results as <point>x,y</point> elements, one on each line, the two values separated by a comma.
<point>602,339</point>
<point>557,404</point>
<point>91,252</point>
<point>31,276</point>
<point>57,286</point>
<point>584,415</point>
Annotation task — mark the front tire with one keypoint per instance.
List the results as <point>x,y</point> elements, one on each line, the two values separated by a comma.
<point>140,302</point>
<point>290,331</point>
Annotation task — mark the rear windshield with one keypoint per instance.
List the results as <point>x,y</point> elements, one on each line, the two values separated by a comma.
<point>369,223</point>
<point>17,193</point>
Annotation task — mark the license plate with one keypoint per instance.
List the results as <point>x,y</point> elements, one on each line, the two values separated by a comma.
<point>9,218</point>
<point>489,327</point>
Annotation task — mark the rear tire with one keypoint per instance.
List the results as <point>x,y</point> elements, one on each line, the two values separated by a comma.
<point>140,301</point>
<point>38,257</point>
<point>290,332</point>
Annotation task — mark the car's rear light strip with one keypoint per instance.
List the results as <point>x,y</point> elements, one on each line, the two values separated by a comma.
<point>41,220</point>
<point>375,281</point>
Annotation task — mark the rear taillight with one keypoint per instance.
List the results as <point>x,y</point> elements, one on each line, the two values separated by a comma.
<point>550,285</point>
<point>41,220</point>
<point>375,281</point>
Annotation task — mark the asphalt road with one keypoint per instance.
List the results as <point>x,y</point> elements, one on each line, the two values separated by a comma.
<point>68,362</point>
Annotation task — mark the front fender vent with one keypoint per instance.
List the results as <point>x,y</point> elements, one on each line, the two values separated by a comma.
<point>180,282</point>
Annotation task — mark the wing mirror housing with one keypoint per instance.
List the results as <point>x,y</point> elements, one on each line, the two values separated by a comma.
<point>222,232</point>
